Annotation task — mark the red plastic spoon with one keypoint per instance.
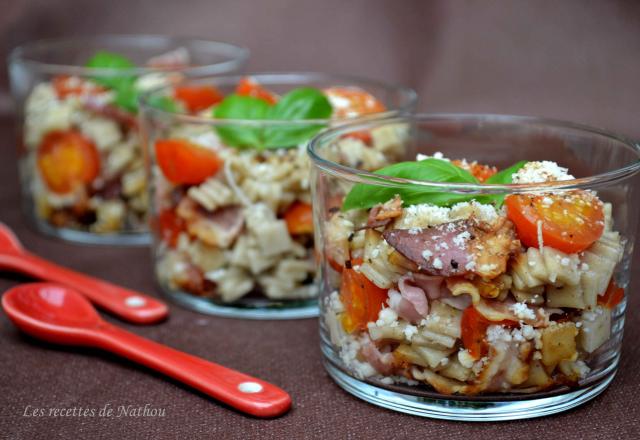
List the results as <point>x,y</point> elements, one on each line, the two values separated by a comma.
<point>127,304</point>
<point>61,315</point>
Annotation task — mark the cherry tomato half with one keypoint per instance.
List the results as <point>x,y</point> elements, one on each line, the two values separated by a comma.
<point>198,98</point>
<point>568,222</point>
<point>299,218</point>
<point>66,160</point>
<point>183,162</point>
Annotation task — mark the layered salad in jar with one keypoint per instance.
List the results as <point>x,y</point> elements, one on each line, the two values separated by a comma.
<point>232,207</point>
<point>82,164</point>
<point>472,294</point>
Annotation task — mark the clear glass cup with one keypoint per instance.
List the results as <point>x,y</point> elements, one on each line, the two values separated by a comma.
<point>80,158</point>
<point>458,312</point>
<point>238,240</point>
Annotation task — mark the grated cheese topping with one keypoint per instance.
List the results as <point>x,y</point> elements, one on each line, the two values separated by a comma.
<point>541,171</point>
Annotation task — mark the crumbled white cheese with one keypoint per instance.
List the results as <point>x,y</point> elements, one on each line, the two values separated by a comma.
<point>465,358</point>
<point>387,317</point>
<point>409,331</point>
<point>460,239</point>
<point>436,155</point>
<point>334,302</point>
<point>496,333</point>
<point>419,216</point>
<point>426,254</point>
<point>541,171</point>
<point>437,263</point>
<point>522,311</point>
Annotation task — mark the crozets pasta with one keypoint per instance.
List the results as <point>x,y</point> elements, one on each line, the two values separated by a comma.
<point>467,295</point>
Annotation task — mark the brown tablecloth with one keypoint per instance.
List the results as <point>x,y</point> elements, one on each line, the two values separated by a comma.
<point>38,375</point>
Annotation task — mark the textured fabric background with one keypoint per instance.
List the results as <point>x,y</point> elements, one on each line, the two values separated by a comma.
<point>568,59</point>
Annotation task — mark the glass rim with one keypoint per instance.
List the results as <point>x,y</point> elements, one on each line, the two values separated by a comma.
<point>370,178</point>
<point>237,55</point>
<point>280,78</point>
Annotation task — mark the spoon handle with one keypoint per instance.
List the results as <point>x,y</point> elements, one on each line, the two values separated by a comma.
<point>245,393</point>
<point>127,304</point>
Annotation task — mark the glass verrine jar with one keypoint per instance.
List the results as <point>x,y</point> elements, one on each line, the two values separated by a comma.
<point>466,284</point>
<point>80,158</point>
<point>230,190</point>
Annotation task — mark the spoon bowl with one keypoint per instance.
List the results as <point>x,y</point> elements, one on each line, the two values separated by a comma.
<point>51,312</point>
<point>127,304</point>
<point>61,315</point>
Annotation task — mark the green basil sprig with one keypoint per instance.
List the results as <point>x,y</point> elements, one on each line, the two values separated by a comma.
<point>503,177</point>
<point>126,94</point>
<point>299,104</point>
<point>364,196</point>
<point>110,60</point>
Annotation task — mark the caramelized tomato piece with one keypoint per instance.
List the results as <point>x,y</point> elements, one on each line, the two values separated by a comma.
<point>170,226</point>
<point>65,85</point>
<point>474,331</point>
<point>568,222</point>
<point>66,160</point>
<point>299,218</point>
<point>362,299</point>
<point>183,162</point>
<point>352,101</point>
<point>198,98</point>
<point>250,87</point>
<point>612,296</point>
<point>478,170</point>
<point>363,135</point>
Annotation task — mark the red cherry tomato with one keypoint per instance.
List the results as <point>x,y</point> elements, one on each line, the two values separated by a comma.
<point>612,296</point>
<point>198,98</point>
<point>478,170</point>
<point>352,101</point>
<point>568,222</point>
<point>170,226</point>
<point>250,87</point>
<point>65,85</point>
<point>362,299</point>
<point>66,160</point>
<point>299,218</point>
<point>474,331</point>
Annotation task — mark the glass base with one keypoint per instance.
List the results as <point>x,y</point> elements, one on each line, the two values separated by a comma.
<point>467,409</point>
<point>83,237</point>
<point>256,309</point>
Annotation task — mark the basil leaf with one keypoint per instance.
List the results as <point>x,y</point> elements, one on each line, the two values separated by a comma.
<point>298,104</point>
<point>302,103</point>
<point>245,108</point>
<point>503,177</point>
<point>165,103</point>
<point>127,98</point>
<point>363,196</point>
<point>109,60</point>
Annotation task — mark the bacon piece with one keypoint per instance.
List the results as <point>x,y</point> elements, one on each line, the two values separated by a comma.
<point>381,362</point>
<point>218,228</point>
<point>431,285</point>
<point>403,307</point>
<point>125,119</point>
<point>440,250</point>
<point>493,247</point>
<point>414,294</point>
